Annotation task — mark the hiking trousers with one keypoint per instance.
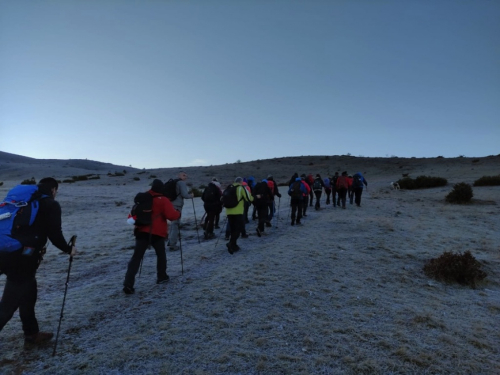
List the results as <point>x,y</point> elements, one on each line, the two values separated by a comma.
<point>342,197</point>
<point>328,192</point>
<point>262,214</point>
<point>22,295</point>
<point>318,197</point>
<point>235,224</point>
<point>296,209</point>
<point>141,245</point>
<point>357,195</point>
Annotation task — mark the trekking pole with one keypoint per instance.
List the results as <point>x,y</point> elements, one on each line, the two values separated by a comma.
<point>222,229</point>
<point>180,247</point>
<point>278,216</point>
<point>71,243</point>
<point>195,222</point>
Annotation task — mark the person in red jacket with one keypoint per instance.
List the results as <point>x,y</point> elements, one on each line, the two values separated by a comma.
<point>343,185</point>
<point>153,235</point>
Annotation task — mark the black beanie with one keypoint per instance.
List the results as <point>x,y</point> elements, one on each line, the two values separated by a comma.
<point>157,186</point>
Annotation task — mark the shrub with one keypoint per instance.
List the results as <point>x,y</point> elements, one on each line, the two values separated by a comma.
<point>80,178</point>
<point>68,181</point>
<point>1,183</point>
<point>421,182</point>
<point>461,193</point>
<point>196,192</point>
<point>152,176</point>
<point>461,268</point>
<point>32,181</point>
<point>202,187</point>
<point>136,178</point>
<point>488,181</point>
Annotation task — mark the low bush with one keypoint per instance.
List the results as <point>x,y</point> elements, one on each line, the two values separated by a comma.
<point>461,193</point>
<point>421,182</point>
<point>80,178</point>
<point>136,178</point>
<point>451,267</point>
<point>488,181</point>
<point>196,192</point>
<point>31,181</point>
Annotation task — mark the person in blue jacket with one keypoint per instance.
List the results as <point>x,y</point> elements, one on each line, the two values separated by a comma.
<point>357,187</point>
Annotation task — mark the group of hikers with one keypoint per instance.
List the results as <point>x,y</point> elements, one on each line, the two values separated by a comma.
<point>242,198</point>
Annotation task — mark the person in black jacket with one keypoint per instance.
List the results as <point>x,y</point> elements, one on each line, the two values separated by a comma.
<point>20,291</point>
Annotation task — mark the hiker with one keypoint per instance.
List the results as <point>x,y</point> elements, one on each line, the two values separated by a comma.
<point>251,184</point>
<point>297,192</point>
<point>328,189</point>
<point>349,191</point>
<point>217,215</point>
<point>235,215</point>
<point>274,192</point>
<point>335,196</point>
<point>262,196</point>
<point>20,291</point>
<point>247,204</point>
<point>342,188</point>
<point>318,186</point>
<point>152,235</point>
<point>212,205</point>
<point>305,201</point>
<point>181,194</point>
<point>310,181</point>
<point>293,178</point>
<point>357,187</point>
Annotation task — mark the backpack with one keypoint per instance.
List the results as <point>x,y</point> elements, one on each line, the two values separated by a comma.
<point>342,181</point>
<point>317,185</point>
<point>356,181</point>
<point>261,189</point>
<point>210,194</point>
<point>230,196</point>
<point>18,209</point>
<point>142,209</point>
<point>295,192</point>
<point>170,189</point>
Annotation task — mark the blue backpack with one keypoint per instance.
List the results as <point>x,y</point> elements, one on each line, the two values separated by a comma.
<point>18,209</point>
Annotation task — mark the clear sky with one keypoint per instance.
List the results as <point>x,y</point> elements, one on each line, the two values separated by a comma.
<point>184,83</point>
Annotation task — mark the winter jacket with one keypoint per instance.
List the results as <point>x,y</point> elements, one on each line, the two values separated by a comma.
<point>242,195</point>
<point>307,187</point>
<point>362,179</point>
<point>262,189</point>
<point>302,188</point>
<point>340,180</point>
<point>163,210</point>
<point>182,193</point>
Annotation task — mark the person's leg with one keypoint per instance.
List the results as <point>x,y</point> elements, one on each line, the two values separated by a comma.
<point>235,230</point>
<point>293,203</point>
<point>357,198</point>
<point>343,197</point>
<point>328,192</point>
<point>210,221</point>
<point>141,244</point>
<point>318,197</point>
<point>158,244</point>
<point>10,301</point>
<point>262,212</point>
<point>311,197</point>
<point>173,233</point>
<point>27,307</point>
<point>242,227</point>
<point>245,212</point>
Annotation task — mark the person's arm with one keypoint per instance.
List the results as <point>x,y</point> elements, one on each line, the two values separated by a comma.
<point>183,190</point>
<point>169,211</point>
<point>54,231</point>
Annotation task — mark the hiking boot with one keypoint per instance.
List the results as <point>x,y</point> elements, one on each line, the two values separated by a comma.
<point>210,236</point>
<point>205,235</point>
<point>244,236</point>
<point>38,338</point>
<point>128,290</point>
<point>216,226</point>
<point>298,222</point>
<point>229,248</point>
<point>173,248</point>
<point>293,222</point>
<point>259,233</point>
<point>268,224</point>
<point>163,280</point>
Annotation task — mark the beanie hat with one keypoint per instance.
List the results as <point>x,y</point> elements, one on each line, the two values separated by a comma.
<point>157,186</point>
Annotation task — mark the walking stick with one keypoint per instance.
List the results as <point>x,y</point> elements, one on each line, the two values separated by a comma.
<point>71,242</point>
<point>180,247</point>
<point>278,216</point>
<point>195,222</point>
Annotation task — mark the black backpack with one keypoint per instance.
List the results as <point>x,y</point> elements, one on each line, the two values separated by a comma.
<point>211,194</point>
<point>317,185</point>
<point>170,189</point>
<point>230,197</point>
<point>356,181</point>
<point>143,209</point>
<point>295,192</point>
